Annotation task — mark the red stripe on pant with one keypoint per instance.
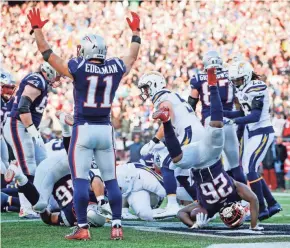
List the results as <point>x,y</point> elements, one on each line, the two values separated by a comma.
<point>18,146</point>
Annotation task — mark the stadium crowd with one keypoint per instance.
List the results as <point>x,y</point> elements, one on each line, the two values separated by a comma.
<point>174,38</point>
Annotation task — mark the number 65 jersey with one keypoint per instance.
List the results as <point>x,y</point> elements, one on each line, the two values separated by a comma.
<point>37,81</point>
<point>214,187</point>
<point>255,92</point>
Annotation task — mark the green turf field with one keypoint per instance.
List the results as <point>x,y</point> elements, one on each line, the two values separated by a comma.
<point>17,233</point>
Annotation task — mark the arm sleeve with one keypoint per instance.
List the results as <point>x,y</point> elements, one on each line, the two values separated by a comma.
<point>233,114</point>
<point>66,141</point>
<point>251,118</point>
<point>194,83</point>
<point>192,102</point>
<point>74,64</point>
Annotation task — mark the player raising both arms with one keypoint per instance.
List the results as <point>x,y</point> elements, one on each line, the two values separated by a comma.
<point>95,81</point>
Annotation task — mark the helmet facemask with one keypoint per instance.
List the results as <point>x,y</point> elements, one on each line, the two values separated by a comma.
<point>233,215</point>
<point>145,91</point>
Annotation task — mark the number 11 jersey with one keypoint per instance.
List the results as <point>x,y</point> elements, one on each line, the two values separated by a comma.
<point>95,86</point>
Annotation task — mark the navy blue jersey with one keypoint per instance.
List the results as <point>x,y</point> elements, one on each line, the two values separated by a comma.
<point>95,86</point>
<point>5,111</point>
<point>63,191</point>
<point>37,107</point>
<point>226,91</point>
<point>151,171</point>
<point>214,188</point>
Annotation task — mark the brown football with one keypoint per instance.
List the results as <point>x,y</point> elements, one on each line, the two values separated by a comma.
<point>195,211</point>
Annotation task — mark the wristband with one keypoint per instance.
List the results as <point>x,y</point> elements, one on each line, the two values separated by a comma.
<point>155,140</point>
<point>46,54</point>
<point>32,30</point>
<point>136,39</point>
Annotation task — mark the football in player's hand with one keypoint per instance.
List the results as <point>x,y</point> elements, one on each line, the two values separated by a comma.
<point>195,211</point>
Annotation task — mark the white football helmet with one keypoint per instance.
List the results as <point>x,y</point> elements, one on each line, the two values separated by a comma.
<point>240,70</point>
<point>126,175</point>
<point>92,47</point>
<point>95,217</point>
<point>50,73</point>
<point>150,84</point>
<point>212,60</point>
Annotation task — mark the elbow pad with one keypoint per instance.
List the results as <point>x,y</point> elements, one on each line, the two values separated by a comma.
<point>258,102</point>
<point>192,102</point>
<point>24,105</point>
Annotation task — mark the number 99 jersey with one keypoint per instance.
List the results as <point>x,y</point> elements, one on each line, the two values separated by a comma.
<point>226,91</point>
<point>214,188</point>
<point>37,81</point>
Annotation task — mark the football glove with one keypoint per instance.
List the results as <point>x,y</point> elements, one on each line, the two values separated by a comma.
<point>35,20</point>
<point>147,148</point>
<point>257,228</point>
<point>211,77</point>
<point>201,221</point>
<point>36,135</point>
<point>229,122</point>
<point>135,23</point>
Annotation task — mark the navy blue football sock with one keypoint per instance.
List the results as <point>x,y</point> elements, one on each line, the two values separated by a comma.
<point>15,202</point>
<point>13,209</point>
<point>169,181</point>
<point>267,194</point>
<point>172,142</point>
<point>3,183</point>
<point>30,178</point>
<point>191,190</point>
<point>216,107</point>
<point>256,186</point>
<point>81,199</point>
<point>30,192</point>
<point>115,198</point>
<point>4,200</point>
<point>238,174</point>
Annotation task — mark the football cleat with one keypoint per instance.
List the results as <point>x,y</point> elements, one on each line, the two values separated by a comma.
<point>13,171</point>
<point>211,77</point>
<point>79,233</point>
<point>276,208</point>
<point>117,232</point>
<point>169,211</point>
<point>26,213</point>
<point>162,114</point>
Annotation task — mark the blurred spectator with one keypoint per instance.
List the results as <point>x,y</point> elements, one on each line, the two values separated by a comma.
<point>286,130</point>
<point>281,156</point>
<point>135,148</point>
<point>278,123</point>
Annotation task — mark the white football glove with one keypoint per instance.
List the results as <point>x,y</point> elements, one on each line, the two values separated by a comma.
<point>257,228</point>
<point>36,135</point>
<point>201,221</point>
<point>147,148</point>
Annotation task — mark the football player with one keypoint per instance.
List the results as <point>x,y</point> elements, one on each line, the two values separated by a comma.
<point>187,127</point>
<point>200,90</point>
<point>95,81</point>
<point>20,130</point>
<point>204,156</point>
<point>253,97</point>
<point>7,89</point>
<point>142,188</point>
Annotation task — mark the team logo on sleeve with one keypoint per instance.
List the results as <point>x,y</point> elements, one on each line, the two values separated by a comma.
<point>33,82</point>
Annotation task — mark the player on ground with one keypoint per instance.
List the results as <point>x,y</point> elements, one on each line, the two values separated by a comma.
<point>253,96</point>
<point>187,127</point>
<point>200,90</point>
<point>20,130</point>
<point>96,80</point>
<point>204,156</point>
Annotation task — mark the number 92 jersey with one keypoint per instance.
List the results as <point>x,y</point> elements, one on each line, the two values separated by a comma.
<point>226,91</point>
<point>214,188</point>
<point>35,80</point>
<point>255,92</point>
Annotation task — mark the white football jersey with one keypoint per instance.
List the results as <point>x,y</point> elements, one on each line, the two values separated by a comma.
<point>55,146</point>
<point>184,115</point>
<point>259,89</point>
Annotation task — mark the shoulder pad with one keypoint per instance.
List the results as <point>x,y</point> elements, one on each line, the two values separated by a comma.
<point>120,63</point>
<point>160,97</point>
<point>36,80</point>
<point>255,87</point>
<point>75,63</point>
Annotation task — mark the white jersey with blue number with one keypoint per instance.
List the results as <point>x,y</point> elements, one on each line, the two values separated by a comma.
<point>255,89</point>
<point>55,146</point>
<point>183,113</point>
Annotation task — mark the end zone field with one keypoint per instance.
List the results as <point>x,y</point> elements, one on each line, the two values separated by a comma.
<point>167,233</point>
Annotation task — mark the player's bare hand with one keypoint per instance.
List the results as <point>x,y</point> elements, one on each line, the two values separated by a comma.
<point>35,19</point>
<point>135,23</point>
